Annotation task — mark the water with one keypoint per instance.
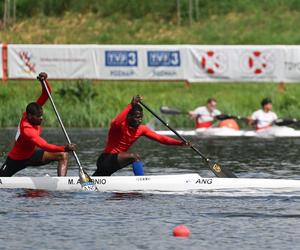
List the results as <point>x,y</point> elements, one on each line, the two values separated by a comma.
<point>78,220</point>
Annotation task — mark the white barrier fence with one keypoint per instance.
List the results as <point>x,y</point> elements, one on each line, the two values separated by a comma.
<point>194,63</point>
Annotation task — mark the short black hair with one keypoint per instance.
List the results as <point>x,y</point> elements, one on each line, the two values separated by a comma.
<point>33,108</point>
<point>209,100</point>
<point>265,101</point>
<point>135,108</point>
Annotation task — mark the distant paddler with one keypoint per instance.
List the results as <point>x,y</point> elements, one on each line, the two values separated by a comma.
<point>205,115</point>
<point>124,130</point>
<point>264,117</point>
<point>30,149</point>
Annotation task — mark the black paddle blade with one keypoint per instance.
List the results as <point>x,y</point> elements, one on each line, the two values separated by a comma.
<point>220,171</point>
<point>170,111</point>
<point>86,181</point>
<point>285,122</point>
<point>224,117</point>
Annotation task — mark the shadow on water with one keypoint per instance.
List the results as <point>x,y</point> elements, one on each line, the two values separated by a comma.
<point>128,196</point>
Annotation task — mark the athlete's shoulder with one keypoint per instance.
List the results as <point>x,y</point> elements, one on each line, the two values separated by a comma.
<point>274,114</point>
<point>144,128</point>
<point>24,123</point>
<point>201,109</point>
<point>257,112</point>
<point>217,112</point>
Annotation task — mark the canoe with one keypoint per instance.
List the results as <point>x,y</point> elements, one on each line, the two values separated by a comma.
<point>161,183</point>
<point>272,132</point>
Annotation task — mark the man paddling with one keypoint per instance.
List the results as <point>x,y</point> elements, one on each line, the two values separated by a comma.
<point>264,117</point>
<point>124,130</point>
<point>29,148</point>
<point>205,115</point>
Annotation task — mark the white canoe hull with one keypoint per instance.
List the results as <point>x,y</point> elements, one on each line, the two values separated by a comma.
<point>228,132</point>
<point>162,183</point>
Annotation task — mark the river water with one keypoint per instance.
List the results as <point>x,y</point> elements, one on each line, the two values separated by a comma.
<point>87,220</point>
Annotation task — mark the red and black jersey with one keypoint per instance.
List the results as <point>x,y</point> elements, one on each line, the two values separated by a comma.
<point>28,136</point>
<point>121,136</point>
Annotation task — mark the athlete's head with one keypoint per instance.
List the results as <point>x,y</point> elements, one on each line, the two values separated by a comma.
<point>211,104</point>
<point>34,113</point>
<point>266,104</point>
<point>135,116</point>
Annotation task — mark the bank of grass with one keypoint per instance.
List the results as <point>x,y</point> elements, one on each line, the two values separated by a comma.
<point>96,104</point>
<point>265,24</point>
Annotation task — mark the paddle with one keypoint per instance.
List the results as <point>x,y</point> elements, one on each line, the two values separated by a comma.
<point>171,111</point>
<point>214,167</point>
<point>85,180</point>
<point>286,122</point>
<point>174,111</point>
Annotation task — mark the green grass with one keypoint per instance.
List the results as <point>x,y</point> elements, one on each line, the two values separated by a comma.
<point>265,24</point>
<point>149,22</point>
<point>110,97</point>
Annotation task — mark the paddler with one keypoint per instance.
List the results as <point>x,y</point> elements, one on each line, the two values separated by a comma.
<point>264,117</point>
<point>30,149</point>
<point>124,130</point>
<point>205,115</point>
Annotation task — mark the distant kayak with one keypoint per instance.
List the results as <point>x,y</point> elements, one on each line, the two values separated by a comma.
<point>275,131</point>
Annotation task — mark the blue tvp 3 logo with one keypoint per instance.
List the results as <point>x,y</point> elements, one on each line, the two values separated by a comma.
<point>163,58</point>
<point>121,58</point>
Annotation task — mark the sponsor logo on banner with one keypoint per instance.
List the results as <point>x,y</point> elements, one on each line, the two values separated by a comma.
<point>292,67</point>
<point>164,58</point>
<point>121,58</point>
<point>161,58</point>
<point>26,57</point>
<point>213,62</point>
<point>258,63</point>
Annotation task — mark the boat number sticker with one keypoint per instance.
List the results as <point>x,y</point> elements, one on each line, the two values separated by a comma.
<point>96,181</point>
<point>204,181</point>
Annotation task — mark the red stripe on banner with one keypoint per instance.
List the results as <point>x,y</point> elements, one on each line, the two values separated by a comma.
<point>4,62</point>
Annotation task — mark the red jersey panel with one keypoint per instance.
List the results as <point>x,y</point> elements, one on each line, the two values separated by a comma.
<point>121,136</point>
<point>28,136</point>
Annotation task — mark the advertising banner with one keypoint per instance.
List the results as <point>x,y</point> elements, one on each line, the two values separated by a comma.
<point>235,63</point>
<point>291,64</point>
<point>59,61</point>
<point>195,63</point>
<point>115,62</point>
<point>140,62</point>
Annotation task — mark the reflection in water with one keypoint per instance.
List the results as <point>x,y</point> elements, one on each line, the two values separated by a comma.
<point>37,193</point>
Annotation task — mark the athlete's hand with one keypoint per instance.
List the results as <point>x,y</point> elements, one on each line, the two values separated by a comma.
<point>70,147</point>
<point>136,99</point>
<point>43,76</point>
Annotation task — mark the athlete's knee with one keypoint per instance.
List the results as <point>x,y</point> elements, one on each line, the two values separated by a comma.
<point>63,156</point>
<point>135,157</point>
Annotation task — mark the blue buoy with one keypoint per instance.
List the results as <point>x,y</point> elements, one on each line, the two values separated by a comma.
<point>138,168</point>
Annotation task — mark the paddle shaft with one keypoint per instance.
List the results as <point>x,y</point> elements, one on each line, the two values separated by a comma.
<point>60,122</point>
<point>174,131</point>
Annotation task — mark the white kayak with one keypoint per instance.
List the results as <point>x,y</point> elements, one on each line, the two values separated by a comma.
<point>271,132</point>
<point>161,183</point>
